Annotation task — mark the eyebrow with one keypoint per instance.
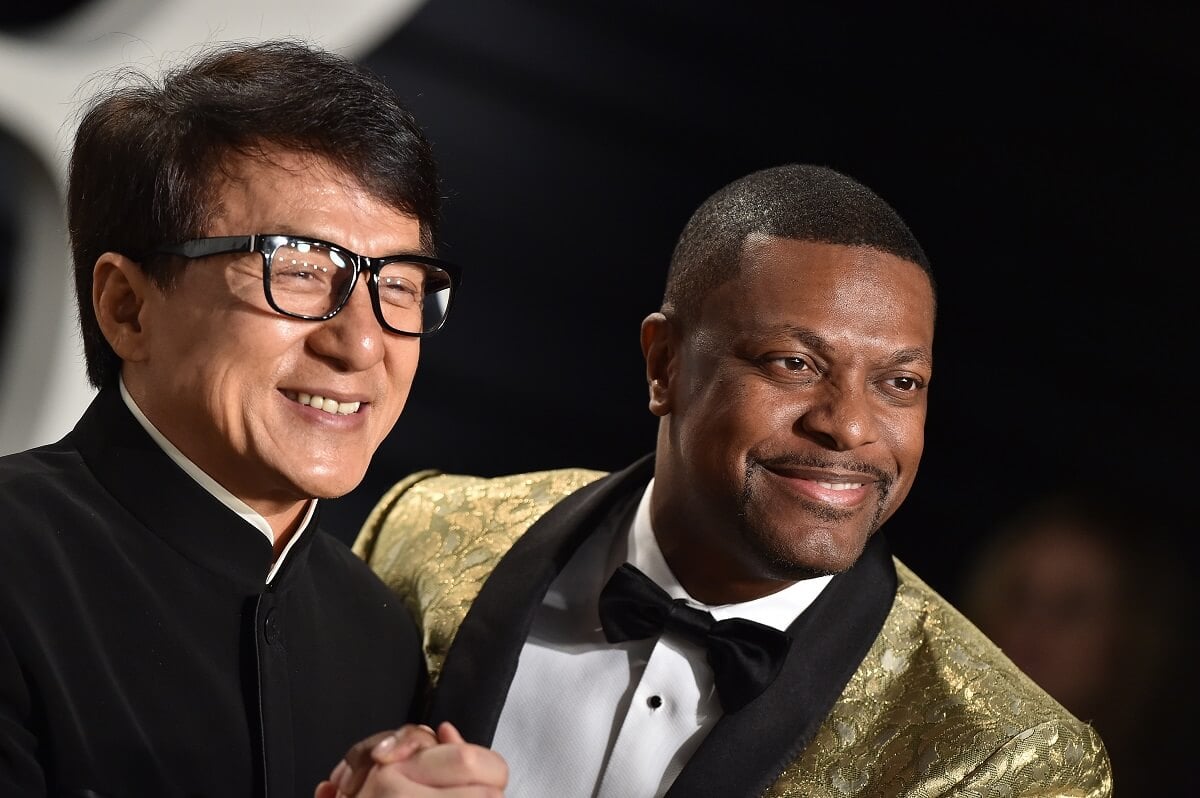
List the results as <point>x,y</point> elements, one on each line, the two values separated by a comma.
<point>812,339</point>
<point>913,354</point>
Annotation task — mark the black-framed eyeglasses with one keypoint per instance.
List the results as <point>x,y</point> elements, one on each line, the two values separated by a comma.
<point>307,278</point>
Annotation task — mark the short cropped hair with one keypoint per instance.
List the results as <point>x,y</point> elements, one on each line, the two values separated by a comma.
<point>148,154</point>
<point>797,201</point>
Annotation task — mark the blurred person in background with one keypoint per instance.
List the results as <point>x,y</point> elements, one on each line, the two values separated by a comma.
<point>1087,597</point>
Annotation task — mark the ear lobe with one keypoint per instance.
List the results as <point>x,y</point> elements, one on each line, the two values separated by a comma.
<point>659,351</point>
<point>119,288</point>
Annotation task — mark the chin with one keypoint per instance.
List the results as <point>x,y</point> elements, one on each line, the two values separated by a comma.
<point>795,570</point>
<point>325,485</point>
<point>819,555</point>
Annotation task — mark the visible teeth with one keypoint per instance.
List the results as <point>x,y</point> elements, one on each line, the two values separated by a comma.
<point>331,406</point>
<point>840,485</point>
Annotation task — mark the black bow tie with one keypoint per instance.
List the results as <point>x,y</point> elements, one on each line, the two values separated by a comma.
<point>745,656</point>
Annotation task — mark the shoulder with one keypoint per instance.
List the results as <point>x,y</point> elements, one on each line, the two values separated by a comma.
<point>924,635</point>
<point>435,538</point>
<point>44,468</point>
<point>1014,733</point>
<point>936,703</point>
<point>429,510</point>
<point>46,494</point>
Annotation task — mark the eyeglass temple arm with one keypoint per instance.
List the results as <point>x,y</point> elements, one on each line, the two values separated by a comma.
<point>203,247</point>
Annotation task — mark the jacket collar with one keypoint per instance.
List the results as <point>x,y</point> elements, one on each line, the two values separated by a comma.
<point>171,505</point>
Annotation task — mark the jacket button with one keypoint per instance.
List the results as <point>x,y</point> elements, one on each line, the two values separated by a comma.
<point>271,628</point>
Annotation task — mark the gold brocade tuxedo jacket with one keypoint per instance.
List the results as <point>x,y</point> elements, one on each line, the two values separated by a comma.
<point>887,690</point>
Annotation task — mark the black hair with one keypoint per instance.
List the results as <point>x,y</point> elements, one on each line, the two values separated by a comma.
<point>797,201</point>
<point>148,154</point>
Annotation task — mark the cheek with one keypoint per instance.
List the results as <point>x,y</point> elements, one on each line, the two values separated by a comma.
<point>401,368</point>
<point>725,432</point>
<point>905,435</point>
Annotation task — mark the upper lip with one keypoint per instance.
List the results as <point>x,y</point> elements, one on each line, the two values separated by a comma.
<point>821,474</point>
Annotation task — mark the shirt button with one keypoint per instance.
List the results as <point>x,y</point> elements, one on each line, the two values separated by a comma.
<point>654,701</point>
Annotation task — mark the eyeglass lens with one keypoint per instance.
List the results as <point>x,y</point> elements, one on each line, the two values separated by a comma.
<point>310,279</point>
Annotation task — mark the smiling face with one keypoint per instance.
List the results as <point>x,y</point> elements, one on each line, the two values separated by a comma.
<point>793,413</point>
<point>278,410</point>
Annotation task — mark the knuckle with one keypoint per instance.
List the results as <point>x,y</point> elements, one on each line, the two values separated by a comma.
<point>464,757</point>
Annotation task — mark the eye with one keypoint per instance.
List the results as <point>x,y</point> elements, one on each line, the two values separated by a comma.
<point>905,383</point>
<point>793,363</point>
<point>789,365</point>
<point>398,290</point>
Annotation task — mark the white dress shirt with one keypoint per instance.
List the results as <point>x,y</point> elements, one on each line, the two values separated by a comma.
<point>584,717</point>
<point>247,513</point>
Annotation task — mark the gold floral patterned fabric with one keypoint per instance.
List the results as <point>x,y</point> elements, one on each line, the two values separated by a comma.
<point>435,539</point>
<point>935,709</point>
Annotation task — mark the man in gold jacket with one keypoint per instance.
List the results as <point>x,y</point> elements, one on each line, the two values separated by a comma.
<point>721,618</point>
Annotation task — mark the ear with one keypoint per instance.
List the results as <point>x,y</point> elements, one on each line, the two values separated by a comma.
<point>658,348</point>
<point>119,290</point>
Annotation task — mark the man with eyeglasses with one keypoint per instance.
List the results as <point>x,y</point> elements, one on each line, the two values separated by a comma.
<point>254,245</point>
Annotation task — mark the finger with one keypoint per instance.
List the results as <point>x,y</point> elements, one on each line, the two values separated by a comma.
<point>388,782</point>
<point>325,789</point>
<point>403,743</point>
<point>447,733</point>
<point>385,783</point>
<point>359,755</point>
<point>384,748</point>
<point>455,765</point>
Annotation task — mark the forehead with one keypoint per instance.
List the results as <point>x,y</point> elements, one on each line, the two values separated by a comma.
<point>835,289</point>
<point>272,176</point>
<point>276,190</point>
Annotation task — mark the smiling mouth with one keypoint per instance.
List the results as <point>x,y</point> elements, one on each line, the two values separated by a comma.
<point>840,485</point>
<point>824,472</point>
<point>331,406</point>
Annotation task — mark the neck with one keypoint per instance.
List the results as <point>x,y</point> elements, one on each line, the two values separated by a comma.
<point>716,579</point>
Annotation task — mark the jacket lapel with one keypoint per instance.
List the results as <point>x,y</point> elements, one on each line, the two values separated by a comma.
<point>747,751</point>
<point>480,664</point>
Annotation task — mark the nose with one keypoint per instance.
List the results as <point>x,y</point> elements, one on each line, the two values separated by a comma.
<point>353,338</point>
<point>841,416</point>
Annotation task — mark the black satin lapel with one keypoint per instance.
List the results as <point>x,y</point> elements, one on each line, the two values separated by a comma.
<point>480,664</point>
<point>745,752</point>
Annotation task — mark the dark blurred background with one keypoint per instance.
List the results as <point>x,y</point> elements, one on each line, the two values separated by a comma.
<point>1044,154</point>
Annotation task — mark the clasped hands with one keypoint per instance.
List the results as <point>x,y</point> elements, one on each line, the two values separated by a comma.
<point>415,761</point>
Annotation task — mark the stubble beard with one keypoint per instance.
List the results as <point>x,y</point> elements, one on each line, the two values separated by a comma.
<point>771,542</point>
